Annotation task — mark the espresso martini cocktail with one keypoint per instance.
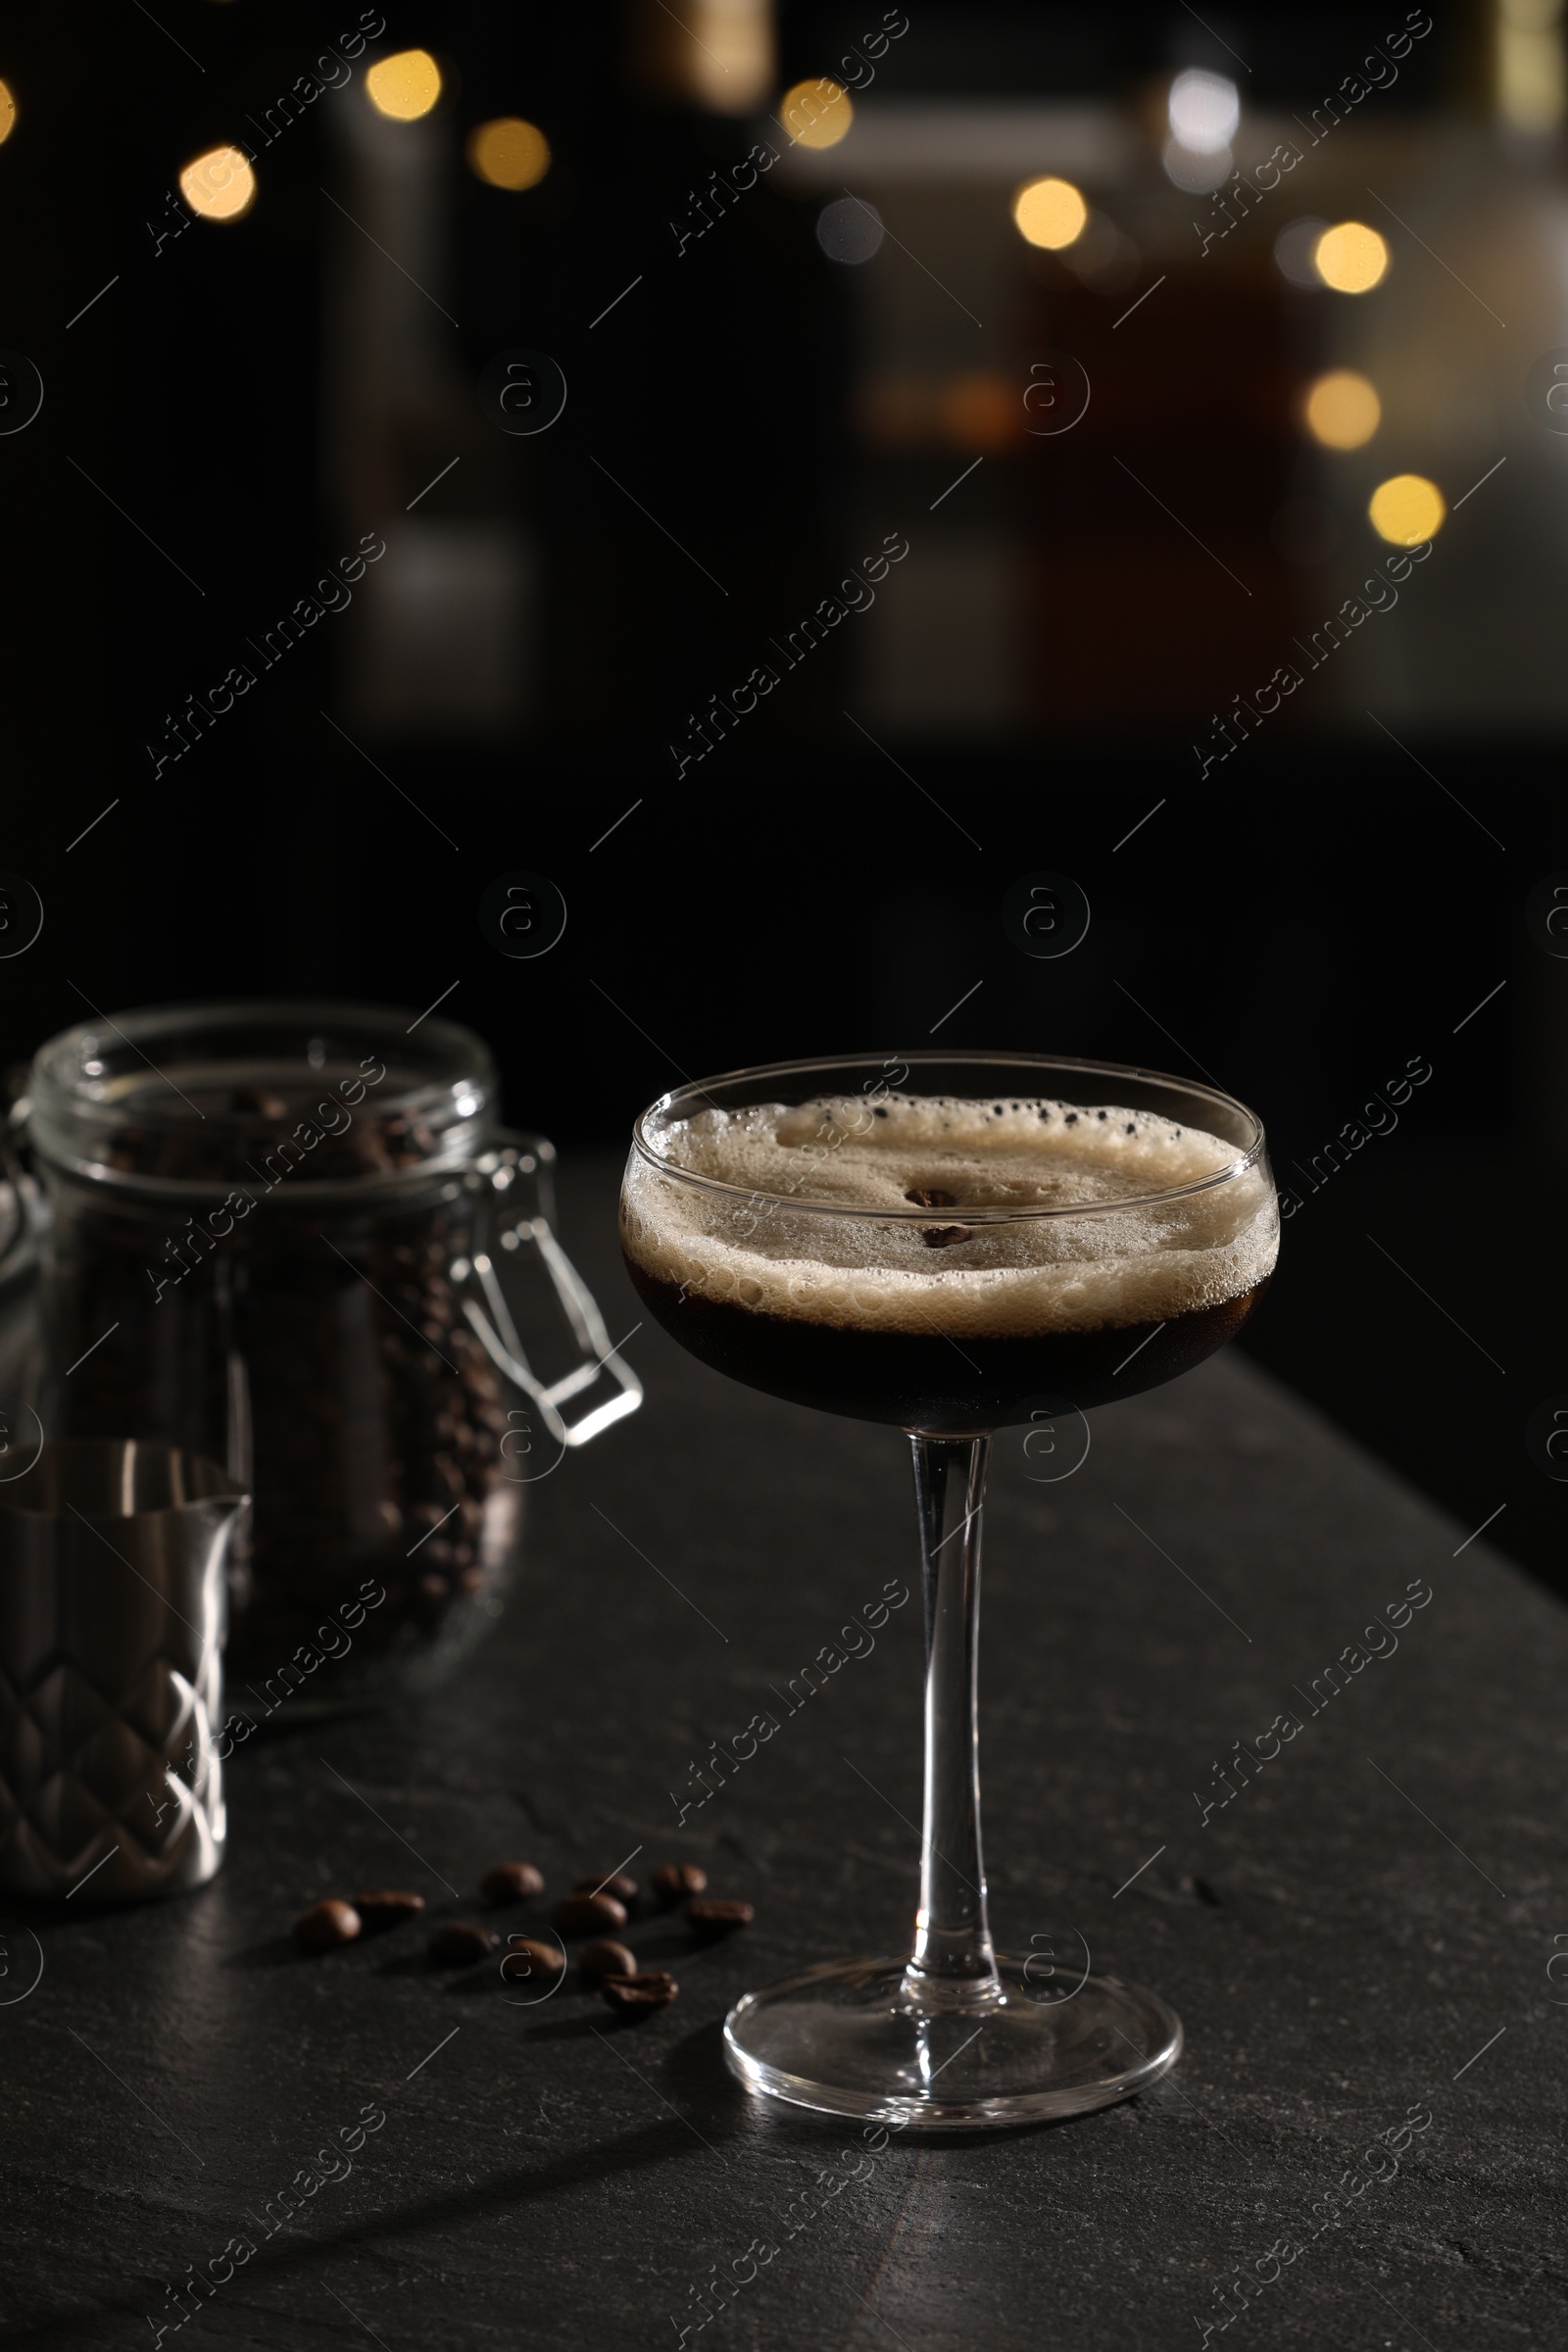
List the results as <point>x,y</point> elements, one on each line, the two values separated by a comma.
<point>940,1262</point>
<point>951,1244</point>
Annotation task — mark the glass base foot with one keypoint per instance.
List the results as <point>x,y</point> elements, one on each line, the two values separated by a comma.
<point>849,2039</point>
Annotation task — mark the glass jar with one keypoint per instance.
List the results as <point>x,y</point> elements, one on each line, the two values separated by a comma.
<point>20,1224</point>
<point>269,1240</point>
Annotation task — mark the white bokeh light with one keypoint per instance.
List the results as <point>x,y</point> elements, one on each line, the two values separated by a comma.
<point>1205,111</point>
<point>1295,248</point>
<point>1194,173</point>
<point>849,231</point>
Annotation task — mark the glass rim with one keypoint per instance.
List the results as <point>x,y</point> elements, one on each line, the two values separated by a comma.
<point>70,1119</point>
<point>1248,1156</point>
<point>452,1054</point>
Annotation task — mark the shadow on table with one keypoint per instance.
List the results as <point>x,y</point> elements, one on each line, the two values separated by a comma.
<point>661,2142</point>
<point>693,2067</point>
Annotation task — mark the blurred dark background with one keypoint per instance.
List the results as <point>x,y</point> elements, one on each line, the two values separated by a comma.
<point>769,374</point>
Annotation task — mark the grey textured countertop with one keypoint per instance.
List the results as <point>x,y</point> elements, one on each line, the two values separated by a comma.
<point>1357,1942</point>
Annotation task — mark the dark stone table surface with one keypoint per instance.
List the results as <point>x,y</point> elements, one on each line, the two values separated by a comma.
<point>1368,2121</point>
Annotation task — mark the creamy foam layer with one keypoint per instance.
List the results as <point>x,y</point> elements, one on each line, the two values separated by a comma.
<point>1118,1265</point>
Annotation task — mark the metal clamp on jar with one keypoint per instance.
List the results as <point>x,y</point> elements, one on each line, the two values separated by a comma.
<point>294,1239</point>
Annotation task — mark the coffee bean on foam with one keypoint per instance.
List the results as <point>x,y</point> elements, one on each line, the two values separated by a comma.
<point>1128,1258</point>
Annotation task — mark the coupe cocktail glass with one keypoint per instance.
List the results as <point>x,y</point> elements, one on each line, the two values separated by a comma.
<point>954,1244</point>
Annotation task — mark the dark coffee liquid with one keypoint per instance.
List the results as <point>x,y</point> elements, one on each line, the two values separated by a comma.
<point>919,1381</point>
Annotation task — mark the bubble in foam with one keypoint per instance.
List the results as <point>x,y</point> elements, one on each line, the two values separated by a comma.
<point>1125,1243</point>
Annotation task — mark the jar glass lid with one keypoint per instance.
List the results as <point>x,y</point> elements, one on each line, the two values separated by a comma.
<point>187,1097</point>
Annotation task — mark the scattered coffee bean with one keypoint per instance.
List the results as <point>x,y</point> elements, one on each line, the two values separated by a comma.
<point>459,1943</point>
<point>606,1959</point>
<point>511,1883</point>
<point>588,1914</point>
<point>327,1925</point>
<point>623,1889</point>
<point>529,1961</point>
<point>673,1882</point>
<point>386,1907</point>
<point>639,1995</point>
<point>709,1918</point>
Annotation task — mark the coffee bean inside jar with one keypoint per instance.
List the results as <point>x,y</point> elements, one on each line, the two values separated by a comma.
<point>265,1225</point>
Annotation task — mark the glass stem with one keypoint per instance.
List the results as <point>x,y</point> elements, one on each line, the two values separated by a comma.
<point>954,1965</point>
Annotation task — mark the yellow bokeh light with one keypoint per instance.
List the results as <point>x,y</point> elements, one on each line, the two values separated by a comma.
<point>218,185</point>
<point>1528,62</point>
<point>508,153</point>
<point>1343,409</point>
<point>816,114</point>
<point>1351,258</point>
<point>1049,213</point>
<point>8,113</point>
<point>405,86</point>
<point>1407,510</point>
